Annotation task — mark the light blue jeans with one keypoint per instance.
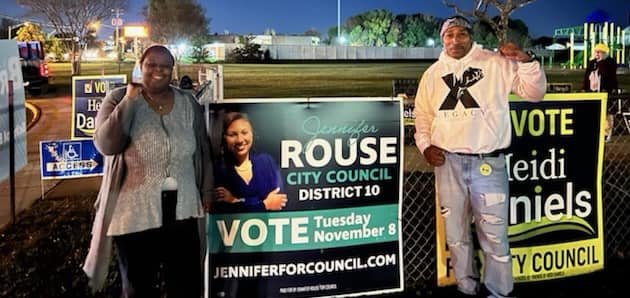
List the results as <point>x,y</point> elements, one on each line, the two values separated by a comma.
<point>466,194</point>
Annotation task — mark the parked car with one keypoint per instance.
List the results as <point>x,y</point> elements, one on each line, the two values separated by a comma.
<point>35,72</point>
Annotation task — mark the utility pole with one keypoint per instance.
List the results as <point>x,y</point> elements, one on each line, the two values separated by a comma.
<point>117,22</point>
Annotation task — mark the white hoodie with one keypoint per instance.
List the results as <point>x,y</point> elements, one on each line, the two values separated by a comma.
<point>462,104</point>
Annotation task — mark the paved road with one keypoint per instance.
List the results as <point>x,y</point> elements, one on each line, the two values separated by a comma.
<point>54,124</point>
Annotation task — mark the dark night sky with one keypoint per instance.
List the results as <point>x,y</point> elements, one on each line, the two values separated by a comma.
<point>296,16</point>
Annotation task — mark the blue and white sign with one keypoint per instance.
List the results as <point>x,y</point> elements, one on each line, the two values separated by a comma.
<point>11,70</point>
<point>64,159</point>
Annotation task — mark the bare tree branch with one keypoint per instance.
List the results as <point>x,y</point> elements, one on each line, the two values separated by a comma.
<point>71,19</point>
<point>505,8</point>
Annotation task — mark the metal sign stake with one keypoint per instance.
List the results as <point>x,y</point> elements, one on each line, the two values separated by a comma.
<point>11,153</point>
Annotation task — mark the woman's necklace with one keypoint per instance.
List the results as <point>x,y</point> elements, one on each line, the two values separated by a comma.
<point>153,103</point>
<point>245,171</point>
<point>244,167</point>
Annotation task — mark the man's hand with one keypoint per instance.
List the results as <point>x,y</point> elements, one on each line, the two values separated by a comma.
<point>513,52</point>
<point>434,156</point>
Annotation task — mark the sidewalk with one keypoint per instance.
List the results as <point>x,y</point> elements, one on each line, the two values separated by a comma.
<point>28,184</point>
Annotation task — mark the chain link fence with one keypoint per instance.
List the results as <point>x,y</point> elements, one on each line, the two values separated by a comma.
<point>419,247</point>
<point>616,178</point>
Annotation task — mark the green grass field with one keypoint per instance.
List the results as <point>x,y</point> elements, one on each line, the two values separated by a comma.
<point>310,79</point>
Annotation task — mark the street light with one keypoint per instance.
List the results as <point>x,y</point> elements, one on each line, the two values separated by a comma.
<point>338,19</point>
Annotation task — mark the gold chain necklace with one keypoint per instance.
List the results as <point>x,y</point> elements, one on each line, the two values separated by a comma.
<point>152,102</point>
<point>246,166</point>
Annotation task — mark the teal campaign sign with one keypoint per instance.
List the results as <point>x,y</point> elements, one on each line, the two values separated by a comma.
<point>64,159</point>
<point>11,70</point>
<point>338,162</point>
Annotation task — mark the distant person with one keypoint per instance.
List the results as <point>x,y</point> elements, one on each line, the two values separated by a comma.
<point>601,72</point>
<point>246,181</point>
<point>157,172</point>
<point>463,128</point>
<point>186,83</point>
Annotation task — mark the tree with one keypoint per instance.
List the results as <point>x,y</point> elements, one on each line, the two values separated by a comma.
<point>197,43</point>
<point>54,47</point>
<point>412,30</point>
<point>373,28</point>
<point>482,33</point>
<point>377,26</point>
<point>174,21</point>
<point>518,33</point>
<point>418,30</point>
<point>505,8</point>
<point>249,52</point>
<point>72,18</point>
<point>312,32</point>
<point>30,31</point>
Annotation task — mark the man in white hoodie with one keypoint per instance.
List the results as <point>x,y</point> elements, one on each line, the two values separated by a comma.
<point>462,128</point>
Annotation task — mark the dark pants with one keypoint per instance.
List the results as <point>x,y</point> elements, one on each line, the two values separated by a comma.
<point>175,247</point>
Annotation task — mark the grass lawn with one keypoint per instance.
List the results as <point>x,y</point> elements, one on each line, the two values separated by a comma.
<point>309,79</point>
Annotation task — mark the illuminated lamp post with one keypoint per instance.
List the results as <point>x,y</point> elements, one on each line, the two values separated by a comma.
<point>340,39</point>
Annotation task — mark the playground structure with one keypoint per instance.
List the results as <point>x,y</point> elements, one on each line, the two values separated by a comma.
<point>598,28</point>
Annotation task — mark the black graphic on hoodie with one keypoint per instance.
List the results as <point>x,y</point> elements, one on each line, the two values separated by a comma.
<point>459,89</point>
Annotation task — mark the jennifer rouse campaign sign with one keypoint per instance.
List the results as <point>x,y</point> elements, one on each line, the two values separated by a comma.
<point>338,160</point>
<point>11,70</point>
<point>63,159</point>
<point>87,94</point>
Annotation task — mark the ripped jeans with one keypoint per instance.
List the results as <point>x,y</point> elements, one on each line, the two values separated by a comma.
<point>466,189</point>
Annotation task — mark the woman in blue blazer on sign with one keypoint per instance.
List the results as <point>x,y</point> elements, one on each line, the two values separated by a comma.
<point>246,181</point>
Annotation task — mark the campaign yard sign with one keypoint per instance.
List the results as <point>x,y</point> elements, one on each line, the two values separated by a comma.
<point>87,94</point>
<point>554,168</point>
<point>339,162</point>
<point>11,70</point>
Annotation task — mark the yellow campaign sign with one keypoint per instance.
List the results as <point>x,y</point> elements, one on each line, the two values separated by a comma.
<point>555,203</point>
<point>555,261</point>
